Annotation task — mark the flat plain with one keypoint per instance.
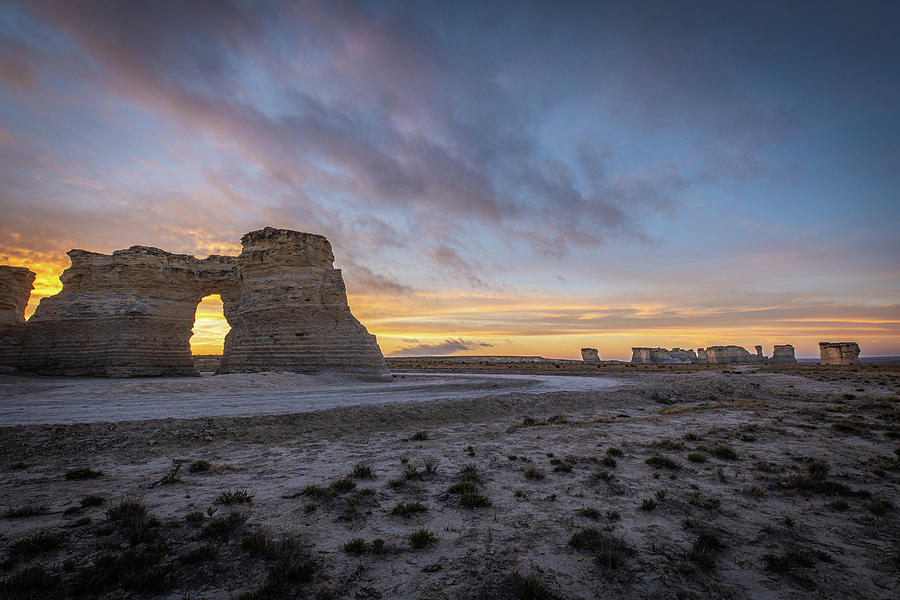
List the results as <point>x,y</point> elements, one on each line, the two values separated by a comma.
<point>627,481</point>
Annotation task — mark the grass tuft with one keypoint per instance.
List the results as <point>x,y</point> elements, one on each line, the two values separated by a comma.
<point>355,546</point>
<point>82,473</point>
<point>724,452</point>
<point>199,466</point>
<point>407,509</point>
<point>363,471</point>
<point>422,539</point>
<point>229,498</point>
<point>533,473</point>
<point>609,551</point>
<point>662,462</point>
<point>220,528</point>
<point>38,543</point>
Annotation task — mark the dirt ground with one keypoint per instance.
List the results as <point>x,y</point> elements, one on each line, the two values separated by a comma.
<point>681,482</point>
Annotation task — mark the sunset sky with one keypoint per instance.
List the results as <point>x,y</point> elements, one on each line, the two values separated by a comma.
<point>495,178</point>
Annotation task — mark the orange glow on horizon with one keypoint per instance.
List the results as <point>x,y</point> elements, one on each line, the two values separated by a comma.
<point>555,326</point>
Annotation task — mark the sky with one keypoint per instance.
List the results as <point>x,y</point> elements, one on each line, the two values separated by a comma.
<point>512,178</point>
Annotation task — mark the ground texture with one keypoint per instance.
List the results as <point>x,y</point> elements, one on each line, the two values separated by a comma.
<point>675,483</point>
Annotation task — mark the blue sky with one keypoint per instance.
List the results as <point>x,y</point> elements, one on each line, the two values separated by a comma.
<point>516,178</point>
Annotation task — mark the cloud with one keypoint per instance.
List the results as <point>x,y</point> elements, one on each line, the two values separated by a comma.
<point>448,346</point>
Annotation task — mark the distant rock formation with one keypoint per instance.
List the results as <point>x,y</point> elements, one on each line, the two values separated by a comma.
<point>16,284</point>
<point>590,355</point>
<point>730,355</point>
<point>130,314</point>
<point>662,356</point>
<point>783,355</point>
<point>839,353</point>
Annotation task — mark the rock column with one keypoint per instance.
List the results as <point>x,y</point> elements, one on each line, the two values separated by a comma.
<point>292,312</point>
<point>839,353</point>
<point>16,284</point>
<point>590,355</point>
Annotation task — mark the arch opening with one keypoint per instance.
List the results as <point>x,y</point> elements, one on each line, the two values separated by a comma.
<point>210,327</point>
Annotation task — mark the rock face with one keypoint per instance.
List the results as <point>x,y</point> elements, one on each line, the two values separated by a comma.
<point>130,313</point>
<point>291,313</point>
<point>16,284</point>
<point>127,314</point>
<point>783,355</point>
<point>839,353</point>
<point>730,355</point>
<point>662,356</point>
<point>590,355</point>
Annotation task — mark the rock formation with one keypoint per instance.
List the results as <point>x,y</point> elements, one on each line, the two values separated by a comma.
<point>292,313</point>
<point>730,355</point>
<point>127,314</point>
<point>130,313</point>
<point>662,356</point>
<point>839,353</point>
<point>783,355</point>
<point>590,355</point>
<point>683,356</point>
<point>15,289</point>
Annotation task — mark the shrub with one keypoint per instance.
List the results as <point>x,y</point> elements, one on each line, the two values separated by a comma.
<point>362,471</point>
<point>408,509</point>
<point>470,472</point>
<point>315,490</point>
<point>131,515</point>
<point>609,551</point>
<point>422,539</point>
<point>33,582</point>
<point>724,453</point>
<point>173,475</point>
<point>221,528</point>
<point>431,464</point>
<point>590,513</point>
<point>36,544</point>
<point>879,507</point>
<point>419,436</point>
<point>199,466</point>
<point>194,517</point>
<point>532,472</point>
<point>82,473</point>
<point>377,546</point>
<point>696,457</point>
<point>611,451</point>
<point>462,487</point>
<point>662,462</point>
<point>197,555</point>
<point>562,467</point>
<point>473,500</point>
<point>355,546</point>
<point>236,497</point>
<point>88,501</point>
<point>609,461</point>
<point>342,486</point>
<point>648,504</point>
<point>130,511</point>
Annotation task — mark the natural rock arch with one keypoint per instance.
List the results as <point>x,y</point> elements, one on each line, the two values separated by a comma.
<point>131,313</point>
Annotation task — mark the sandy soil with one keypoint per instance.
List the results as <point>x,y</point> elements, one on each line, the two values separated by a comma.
<point>807,505</point>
